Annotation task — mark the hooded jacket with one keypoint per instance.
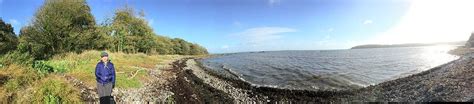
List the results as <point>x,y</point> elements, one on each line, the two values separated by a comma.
<point>105,73</point>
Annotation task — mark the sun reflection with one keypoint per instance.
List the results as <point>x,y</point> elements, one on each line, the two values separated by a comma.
<point>433,56</point>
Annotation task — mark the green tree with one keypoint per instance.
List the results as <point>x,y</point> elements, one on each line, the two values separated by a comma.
<point>177,48</point>
<point>8,39</point>
<point>104,32</point>
<point>60,26</point>
<point>183,47</point>
<point>163,45</point>
<point>197,50</point>
<point>131,33</point>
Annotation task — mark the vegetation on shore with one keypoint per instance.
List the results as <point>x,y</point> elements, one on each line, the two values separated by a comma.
<point>63,39</point>
<point>130,68</point>
<point>461,51</point>
<point>18,82</point>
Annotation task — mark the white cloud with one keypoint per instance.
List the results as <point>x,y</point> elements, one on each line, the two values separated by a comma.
<point>431,21</point>
<point>225,47</point>
<point>367,22</point>
<point>273,2</point>
<point>327,37</point>
<point>14,22</point>
<point>237,23</point>
<point>259,35</point>
<point>330,30</point>
<point>324,41</point>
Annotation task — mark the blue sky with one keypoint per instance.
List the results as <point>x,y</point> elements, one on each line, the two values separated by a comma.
<point>224,26</point>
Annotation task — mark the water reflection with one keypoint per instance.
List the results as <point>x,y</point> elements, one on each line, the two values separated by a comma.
<point>433,56</point>
<point>335,69</point>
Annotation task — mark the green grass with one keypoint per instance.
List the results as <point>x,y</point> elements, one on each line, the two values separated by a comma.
<point>27,84</point>
<point>82,66</point>
<point>54,90</point>
<point>19,78</point>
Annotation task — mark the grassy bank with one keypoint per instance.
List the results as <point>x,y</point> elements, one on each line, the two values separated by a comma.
<point>27,83</point>
<point>130,68</point>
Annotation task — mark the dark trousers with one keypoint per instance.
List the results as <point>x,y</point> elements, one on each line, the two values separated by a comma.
<point>105,91</point>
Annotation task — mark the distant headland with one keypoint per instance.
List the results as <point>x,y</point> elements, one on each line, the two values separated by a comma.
<point>406,45</point>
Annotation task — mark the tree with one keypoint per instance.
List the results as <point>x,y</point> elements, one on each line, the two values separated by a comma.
<point>177,48</point>
<point>131,33</point>
<point>60,26</point>
<point>8,39</point>
<point>67,25</point>
<point>197,50</point>
<point>183,47</point>
<point>104,32</point>
<point>163,45</point>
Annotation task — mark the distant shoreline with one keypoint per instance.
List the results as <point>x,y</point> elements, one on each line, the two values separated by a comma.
<point>451,81</point>
<point>367,46</point>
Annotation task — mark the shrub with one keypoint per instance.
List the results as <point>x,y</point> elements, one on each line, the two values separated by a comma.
<point>42,68</point>
<point>53,90</point>
<point>12,85</point>
<point>16,57</point>
<point>8,39</point>
<point>18,77</point>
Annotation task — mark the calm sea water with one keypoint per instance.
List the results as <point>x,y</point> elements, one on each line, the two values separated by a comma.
<point>328,69</point>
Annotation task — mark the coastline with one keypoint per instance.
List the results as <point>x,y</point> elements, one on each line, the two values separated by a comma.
<point>461,51</point>
<point>452,81</point>
<point>241,91</point>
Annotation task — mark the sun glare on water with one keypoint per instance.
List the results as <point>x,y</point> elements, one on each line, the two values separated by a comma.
<point>436,55</point>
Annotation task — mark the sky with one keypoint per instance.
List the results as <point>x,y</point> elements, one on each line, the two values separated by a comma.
<point>225,26</point>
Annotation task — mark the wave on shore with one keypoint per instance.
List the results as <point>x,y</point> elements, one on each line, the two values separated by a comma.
<point>327,70</point>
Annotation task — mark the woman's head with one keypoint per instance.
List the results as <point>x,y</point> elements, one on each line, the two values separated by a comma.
<point>104,57</point>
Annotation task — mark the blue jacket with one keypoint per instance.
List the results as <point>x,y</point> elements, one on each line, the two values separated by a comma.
<point>105,74</point>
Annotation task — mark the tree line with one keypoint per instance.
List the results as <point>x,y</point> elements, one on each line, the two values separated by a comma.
<point>60,26</point>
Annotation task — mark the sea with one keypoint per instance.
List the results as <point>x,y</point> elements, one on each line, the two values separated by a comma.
<point>327,69</point>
